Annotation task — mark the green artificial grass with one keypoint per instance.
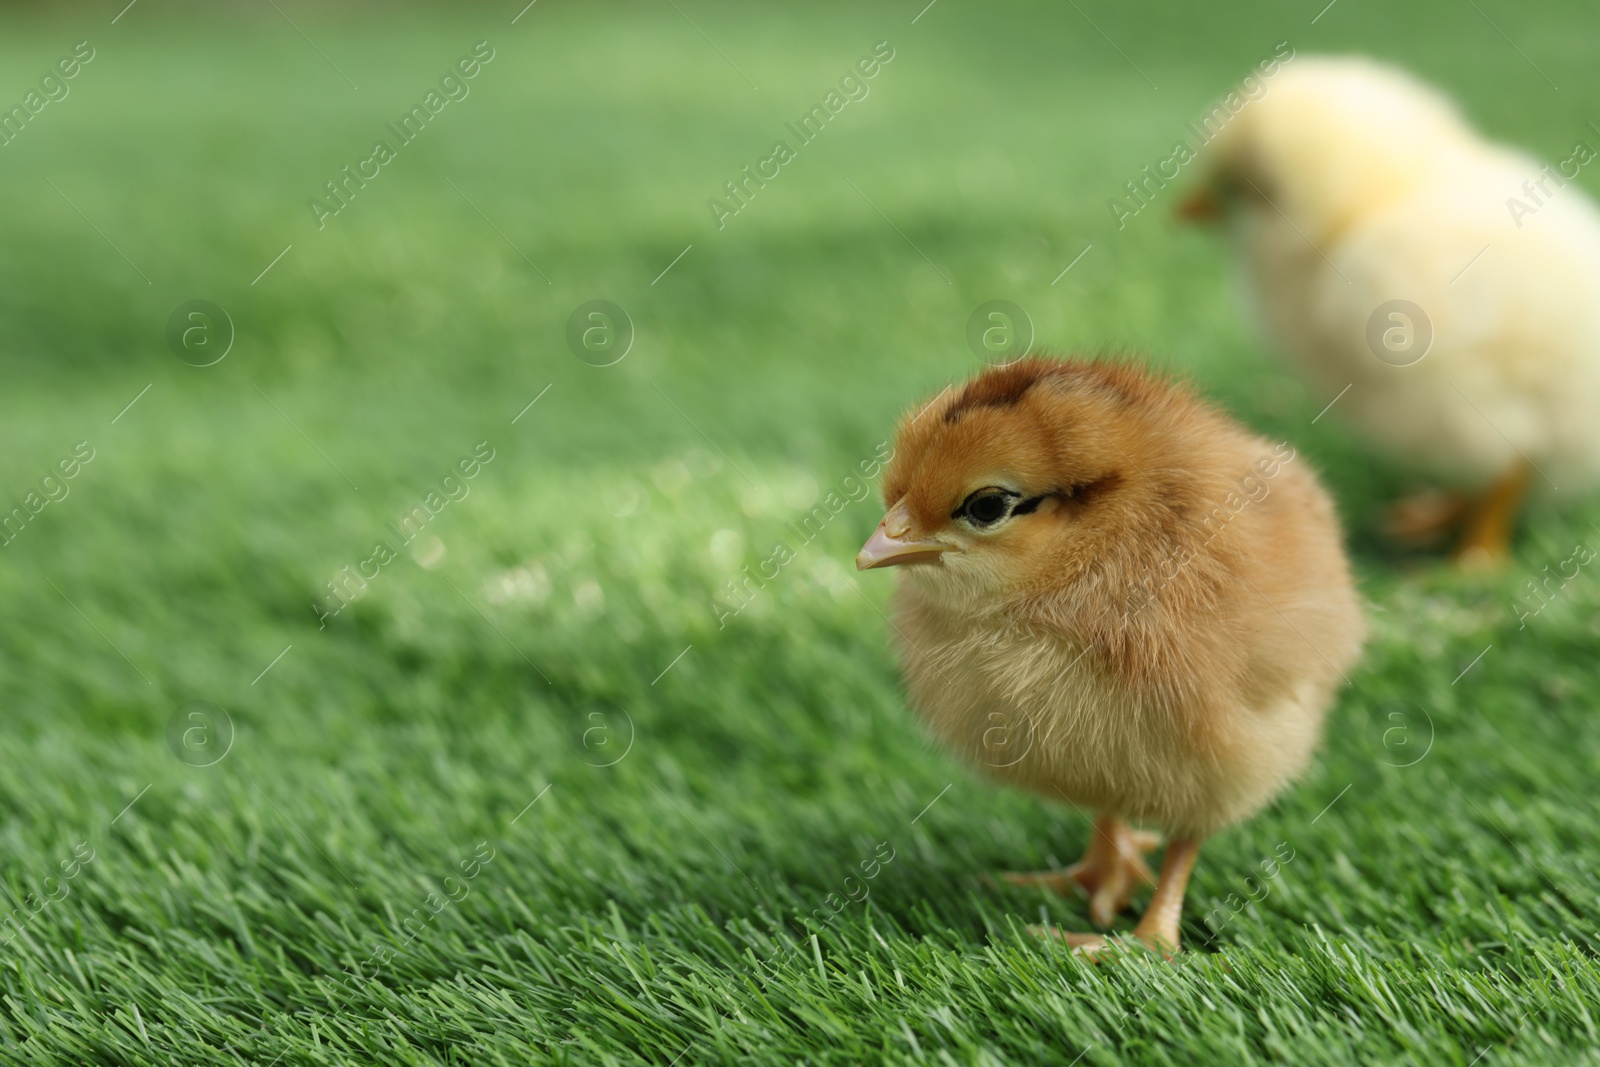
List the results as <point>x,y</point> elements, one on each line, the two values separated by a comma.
<point>537,793</point>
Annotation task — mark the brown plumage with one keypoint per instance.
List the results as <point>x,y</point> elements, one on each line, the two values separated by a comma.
<point>1115,595</point>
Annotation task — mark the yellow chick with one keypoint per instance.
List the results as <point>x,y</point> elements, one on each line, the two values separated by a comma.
<point>1114,595</point>
<point>1450,284</point>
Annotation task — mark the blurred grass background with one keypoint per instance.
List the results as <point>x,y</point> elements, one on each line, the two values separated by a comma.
<point>665,908</point>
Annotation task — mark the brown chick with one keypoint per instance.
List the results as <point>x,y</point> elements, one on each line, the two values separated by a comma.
<point>1114,595</point>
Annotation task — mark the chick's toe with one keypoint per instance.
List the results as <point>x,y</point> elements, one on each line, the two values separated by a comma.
<point>1111,869</point>
<point>1091,946</point>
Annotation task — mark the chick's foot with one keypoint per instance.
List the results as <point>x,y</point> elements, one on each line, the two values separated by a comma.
<point>1426,518</point>
<point>1158,929</point>
<point>1111,869</point>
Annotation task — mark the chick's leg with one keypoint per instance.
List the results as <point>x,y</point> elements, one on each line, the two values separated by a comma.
<point>1487,541</point>
<point>1159,927</point>
<point>1111,869</point>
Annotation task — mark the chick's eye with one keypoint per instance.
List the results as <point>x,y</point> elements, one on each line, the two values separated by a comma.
<point>986,507</point>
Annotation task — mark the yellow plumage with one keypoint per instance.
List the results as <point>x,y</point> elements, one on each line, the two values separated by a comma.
<point>1350,186</point>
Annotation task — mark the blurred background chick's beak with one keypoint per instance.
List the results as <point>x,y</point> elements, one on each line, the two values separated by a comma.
<point>891,544</point>
<point>1202,205</point>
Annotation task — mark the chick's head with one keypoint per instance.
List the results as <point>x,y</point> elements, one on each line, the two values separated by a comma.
<point>1322,143</point>
<point>1014,484</point>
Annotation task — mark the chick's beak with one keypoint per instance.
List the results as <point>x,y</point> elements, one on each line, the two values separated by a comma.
<point>891,544</point>
<point>1202,205</point>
